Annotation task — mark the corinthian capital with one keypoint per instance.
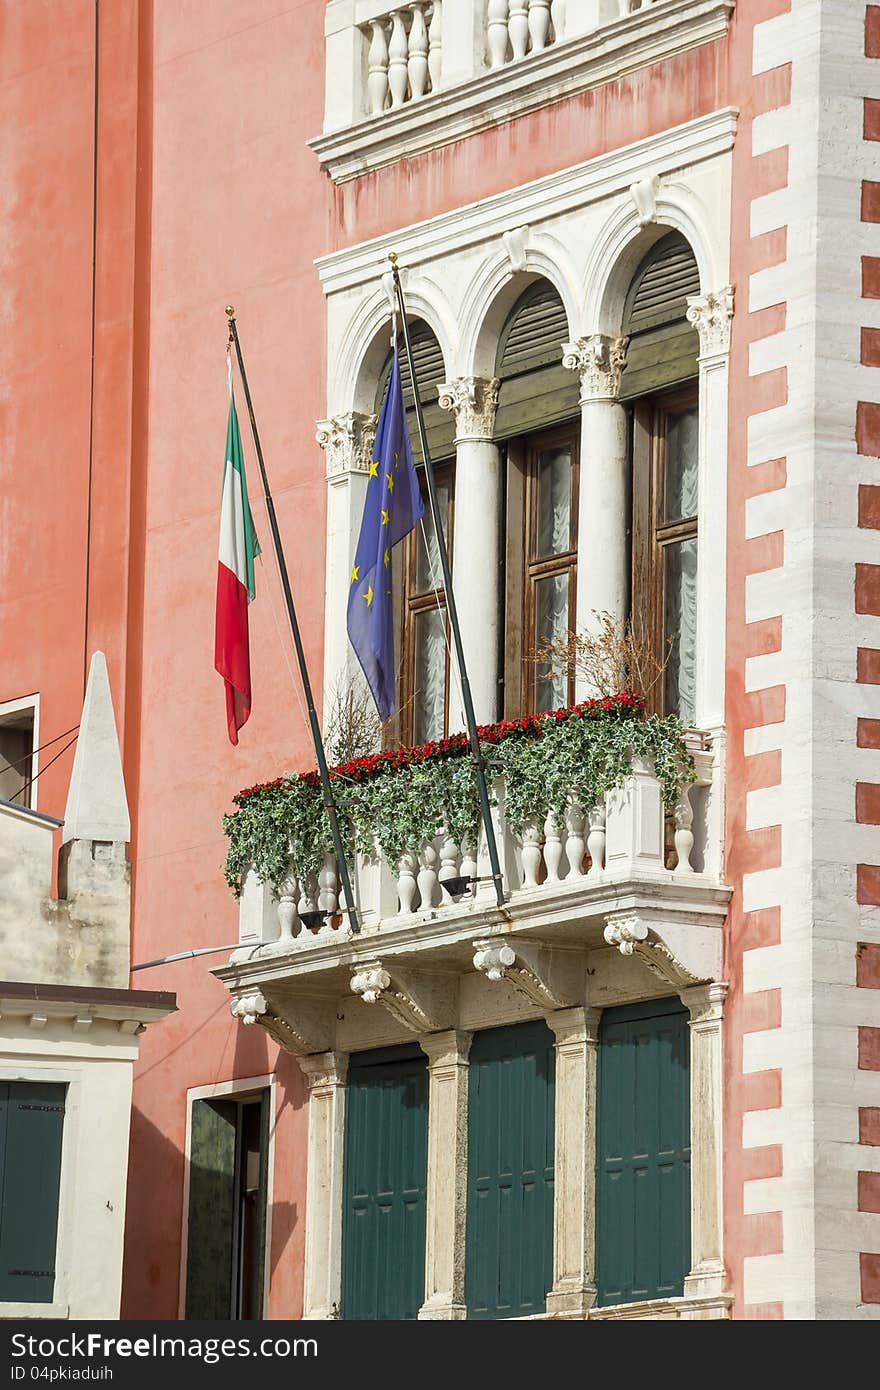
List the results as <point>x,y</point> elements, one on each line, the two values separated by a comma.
<point>474,400</point>
<point>347,441</point>
<point>711,314</point>
<point>600,361</point>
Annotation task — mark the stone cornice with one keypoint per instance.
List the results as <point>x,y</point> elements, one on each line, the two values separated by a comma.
<point>496,95</point>
<point>544,199</point>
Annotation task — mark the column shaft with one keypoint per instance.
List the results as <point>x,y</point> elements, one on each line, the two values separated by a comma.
<point>476,573</point>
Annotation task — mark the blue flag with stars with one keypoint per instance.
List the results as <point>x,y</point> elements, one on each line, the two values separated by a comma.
<point>393,506</point>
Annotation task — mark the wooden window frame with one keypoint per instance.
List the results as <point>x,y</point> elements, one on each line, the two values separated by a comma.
<point>651,534</point>
<point>414,602</point>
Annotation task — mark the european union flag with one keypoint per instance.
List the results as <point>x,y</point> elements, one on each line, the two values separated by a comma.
<point>392,508</point>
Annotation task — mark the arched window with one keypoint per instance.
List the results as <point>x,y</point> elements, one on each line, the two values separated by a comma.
<point>539,420</point>
<point>660,383</point>
<point>423,660</point>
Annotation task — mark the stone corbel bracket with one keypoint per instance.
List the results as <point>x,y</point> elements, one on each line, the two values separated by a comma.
<point>550,979</point>
<point>422,1002</point>
<point>680,954</point>
<point>305,1028</point>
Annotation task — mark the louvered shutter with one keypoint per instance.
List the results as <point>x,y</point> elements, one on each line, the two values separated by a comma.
<point>536,390</point>
<point>663,346</point>
<point>431,373</point>
<point>212,1209</point>
<point>31,1128</point>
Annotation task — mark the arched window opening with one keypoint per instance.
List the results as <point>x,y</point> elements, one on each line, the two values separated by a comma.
<point>539,418</point>
<point>660,384</point>
<point>419,597</point>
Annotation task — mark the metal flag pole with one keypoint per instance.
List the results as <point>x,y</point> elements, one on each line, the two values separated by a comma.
<point>467,700</point>
<point>329,802</point>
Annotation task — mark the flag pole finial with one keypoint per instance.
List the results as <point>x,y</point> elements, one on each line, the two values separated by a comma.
<point>230,311</point>
<point>392,256</point>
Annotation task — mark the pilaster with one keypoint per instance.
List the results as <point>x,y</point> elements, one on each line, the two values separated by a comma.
<point>326,1074</point>
<point>447,1055</point>
<point>705,1003</point>
<point>574,1233</point>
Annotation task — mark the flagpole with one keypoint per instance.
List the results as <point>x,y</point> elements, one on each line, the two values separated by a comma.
<point>329,802</point>
<point>467,700</point>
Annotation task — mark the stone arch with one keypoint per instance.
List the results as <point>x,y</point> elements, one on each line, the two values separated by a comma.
<point>497,286</point>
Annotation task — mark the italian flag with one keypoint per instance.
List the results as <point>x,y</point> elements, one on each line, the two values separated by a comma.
<point>235,583</point>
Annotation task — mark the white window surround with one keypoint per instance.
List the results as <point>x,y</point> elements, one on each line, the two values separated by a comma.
<point>597,47</point>
<point>239,1089</point>
<point>584,229</point>
<point>27,702</point>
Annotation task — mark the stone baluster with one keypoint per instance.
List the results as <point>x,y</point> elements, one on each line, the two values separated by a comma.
<point>448,864</point>
<point>518,28</point>
<point>435,45</point>
<point>427,877</point>
<point>406,881</point>
<point>328,884</point>
<point>574,840</point>
<point>683,815</point>
<point>417,61</point>
<point>596,839</point>
<point>552,847</point>
<point>557,15</point>
<point>497,33</point>
<point>377,68</point>
<point>539,24</point>
<point>530,840</point>
<point>308,893</point>
<point>288,917</point>
<point>398,55</point>
<point>469,862</point>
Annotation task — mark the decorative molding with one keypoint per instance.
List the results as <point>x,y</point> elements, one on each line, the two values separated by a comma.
<point>599,360</point>
<point>306,1029</point>
<point>705,1003</point>
<point>544,977</point>
<point>711,314</point>
<point>249,1008</point>
<point>515,242</point>
<point>422,1003</point>
<point>644,195</point>
<point>474,400</point>
<point>324,1071</point>
<point>347,441</point>
<point>672,961</point>
<point>536,203</point>
<point>563,70</point>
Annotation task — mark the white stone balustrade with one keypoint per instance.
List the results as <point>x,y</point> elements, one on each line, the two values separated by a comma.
<point>622,838</point>
<point>516,28</point>
<point>404,48</point>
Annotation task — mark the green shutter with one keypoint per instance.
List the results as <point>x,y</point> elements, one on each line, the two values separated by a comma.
<point>663,346</point>
<point>431,373</point>
<point>643,1168</point>
<point>509,1244</point>
<point>536,390</point>
<point>31,1126</point>
<point>386,1166</point>
<point>212,1209</point>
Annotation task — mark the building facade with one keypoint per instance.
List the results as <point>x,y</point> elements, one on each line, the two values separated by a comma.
<point>638,248</point>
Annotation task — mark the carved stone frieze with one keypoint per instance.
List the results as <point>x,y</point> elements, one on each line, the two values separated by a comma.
<point>475,401</point>
<point>422,1002</point>
<point>541,975</point>
<point>347,441</point>
<point>711,314</point>
<point>599,360</point>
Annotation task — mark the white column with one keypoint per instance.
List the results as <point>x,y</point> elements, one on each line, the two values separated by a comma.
<point>447,1055</point>
<point>603,503</point>
<point>705,1003</point>
<point>325,1073</point>
<point>574,1181</point>
<point>476,540</point>
<point>711,314</point>
<point>347,441</point>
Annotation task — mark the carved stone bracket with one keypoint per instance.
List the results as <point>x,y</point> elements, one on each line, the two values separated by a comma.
<point>422,1003</point>
<point>305,1027</point>
<point>515,242</point>
<point>475,401</point>
<point>711,314</point>
<point>600,361</point>
<point>682,956</point>
<point>543,976</point>
<point>644,195</point>
<point>347,441</point>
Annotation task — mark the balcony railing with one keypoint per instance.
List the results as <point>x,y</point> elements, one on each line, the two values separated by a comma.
<point>628,837</point>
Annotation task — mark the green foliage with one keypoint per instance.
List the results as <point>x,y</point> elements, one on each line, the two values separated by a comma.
<point>398,804</point>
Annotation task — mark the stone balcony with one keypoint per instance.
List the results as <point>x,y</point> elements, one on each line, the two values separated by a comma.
<point>620,879</point>
<point>405,78</point>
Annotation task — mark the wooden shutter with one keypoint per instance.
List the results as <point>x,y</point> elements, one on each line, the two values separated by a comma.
<point>31,1128</point>
<point>643,1168</point>
<point>536,390</point>
<point>431,373</point>
<point>212,1210</point>
<point>663,346</point>
<point>386,1169</point>
<point>509,1243</point>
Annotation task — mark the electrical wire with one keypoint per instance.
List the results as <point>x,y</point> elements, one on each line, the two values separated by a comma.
<point>16,762</point>
<point>31,780</point>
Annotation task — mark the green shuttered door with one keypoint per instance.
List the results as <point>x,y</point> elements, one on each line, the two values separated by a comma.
<point>31,1125</point>
<point>643,1170</point>
<point>509,1262</point>
<point>386,1163</point>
